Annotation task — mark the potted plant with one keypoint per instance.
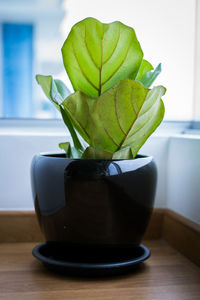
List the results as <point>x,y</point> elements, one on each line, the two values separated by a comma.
<point>94,202</point>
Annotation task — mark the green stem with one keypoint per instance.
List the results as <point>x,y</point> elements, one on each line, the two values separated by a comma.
<point>68,123</point>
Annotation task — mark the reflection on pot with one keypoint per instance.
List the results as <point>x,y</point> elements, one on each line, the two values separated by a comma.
<point>100,202</point>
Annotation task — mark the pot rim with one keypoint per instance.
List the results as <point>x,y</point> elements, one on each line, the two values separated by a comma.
<point>61,155</point>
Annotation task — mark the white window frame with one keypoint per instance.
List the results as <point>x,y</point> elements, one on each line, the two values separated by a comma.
<point>196,104</point>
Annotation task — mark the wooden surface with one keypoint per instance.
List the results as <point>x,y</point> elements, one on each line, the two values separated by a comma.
<point>183,235</point>
<point>19,226</point>
<point>167,275</point>
<point>22,226</point>
<point>154,229</point>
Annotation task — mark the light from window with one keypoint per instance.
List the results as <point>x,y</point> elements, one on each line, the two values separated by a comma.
<point>32,39</point>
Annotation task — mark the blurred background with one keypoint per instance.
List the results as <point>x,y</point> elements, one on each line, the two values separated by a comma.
<point>32,33</point>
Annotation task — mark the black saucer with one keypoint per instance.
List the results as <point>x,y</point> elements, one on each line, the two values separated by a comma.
<point>90,261</point>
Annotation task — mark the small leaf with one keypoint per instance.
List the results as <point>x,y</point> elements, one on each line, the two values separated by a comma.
<point>91,153</point>
<point>71,152</point>
<point>45,82</point>
<point>97,56</point>
<point>150,77</point>
<point>66,147</point>
<point>144,68</point>
<point>57,91</point>
<point>121,118</point>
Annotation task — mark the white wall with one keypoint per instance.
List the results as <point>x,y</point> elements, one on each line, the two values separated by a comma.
<point>157,146</point>
<point>16,153</point>
<point>184,176</point>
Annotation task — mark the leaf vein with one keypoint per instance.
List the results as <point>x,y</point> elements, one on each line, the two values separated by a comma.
<point>88,80</point>
<point>81,126</point>
<point>121,144</point>
<point>89,51</point>
<point>132,102</point>
<point>141,127</point>
<point>116,112</point>
<point>113,50</point>
<point>148,109</point>
<point>107,133</point>
<point>122,62</point>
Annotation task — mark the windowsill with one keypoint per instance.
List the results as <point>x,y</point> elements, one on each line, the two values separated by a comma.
<point>56,127</point>
<point>33,132</point>
<point>33,127</point>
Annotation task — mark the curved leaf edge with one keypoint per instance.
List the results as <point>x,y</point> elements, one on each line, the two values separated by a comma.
<point>125,152</point>
<point>56,91</point>
<point>87,86</point>
<point>149,77</point>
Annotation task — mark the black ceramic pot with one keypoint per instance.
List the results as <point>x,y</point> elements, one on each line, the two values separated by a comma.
<point>93,202</point>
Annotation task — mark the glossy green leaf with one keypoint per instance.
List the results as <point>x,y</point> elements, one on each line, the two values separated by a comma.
<point>121,119</point>
<point>150,77</point>
<point>97,56</point>
<point>91,153</point>
<point>57,91</point>
<point>144,68</point>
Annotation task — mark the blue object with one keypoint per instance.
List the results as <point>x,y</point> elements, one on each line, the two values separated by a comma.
<point>17,70</point>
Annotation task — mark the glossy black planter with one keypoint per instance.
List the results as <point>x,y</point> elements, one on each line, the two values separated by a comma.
<point>93,202</point>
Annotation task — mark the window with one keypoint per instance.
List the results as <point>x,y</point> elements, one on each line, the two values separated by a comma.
<point>166,30</point>
<point>17,66</point>
<point>30,40</point>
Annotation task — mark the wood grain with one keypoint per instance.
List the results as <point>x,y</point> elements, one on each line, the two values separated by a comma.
<point>167,275</point>
<point>182,234</point>
<point>154,229</point>
<point>19,226</point>
<point>22,226</point>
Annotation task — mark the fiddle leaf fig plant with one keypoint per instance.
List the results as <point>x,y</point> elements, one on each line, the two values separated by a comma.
<point>112,110</point>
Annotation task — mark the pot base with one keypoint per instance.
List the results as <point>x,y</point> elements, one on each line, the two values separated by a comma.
<point>90,261</point>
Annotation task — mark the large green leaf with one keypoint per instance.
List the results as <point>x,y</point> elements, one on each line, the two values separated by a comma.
<point>80,106</point>
<point>57,91</point>
<point>97,56</point>
<point>121,119</point>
